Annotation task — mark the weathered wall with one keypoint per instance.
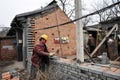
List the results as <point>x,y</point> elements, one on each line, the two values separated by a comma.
<point>7,48</point>
<point>51,19</point>
<point>59,70</point>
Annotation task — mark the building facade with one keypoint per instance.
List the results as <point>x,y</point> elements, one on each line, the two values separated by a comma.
<point>7,48</point>
<point>29,26</point>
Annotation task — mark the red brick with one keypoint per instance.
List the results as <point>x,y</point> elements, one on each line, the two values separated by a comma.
<point>5,53</point>
<point>65,31</point>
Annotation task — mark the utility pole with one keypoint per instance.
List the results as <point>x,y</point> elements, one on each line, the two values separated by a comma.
<point>79,31</point>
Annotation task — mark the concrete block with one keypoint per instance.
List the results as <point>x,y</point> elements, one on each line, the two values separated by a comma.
<point>83,68</point>
<point>98,79</point>
<point>92,78</point>
<point>111,75</point>
<point>83,75</point>
<point>95,70</point>
<point>102,77</point>
<point>110,78</point>
<point>83,78</point>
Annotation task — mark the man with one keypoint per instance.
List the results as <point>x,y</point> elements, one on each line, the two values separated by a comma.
<point>110,47</point>
<point>39,56</point>
<point>91,43</point>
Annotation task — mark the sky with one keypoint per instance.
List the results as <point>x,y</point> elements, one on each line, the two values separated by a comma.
<point>10,8</point>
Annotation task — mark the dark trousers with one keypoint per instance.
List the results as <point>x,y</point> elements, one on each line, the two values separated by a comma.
<point>44,67</point>
<point>33,72</point>
<point>92,48</point>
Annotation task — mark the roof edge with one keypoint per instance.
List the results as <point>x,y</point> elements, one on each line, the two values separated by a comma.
<point>48,7</point>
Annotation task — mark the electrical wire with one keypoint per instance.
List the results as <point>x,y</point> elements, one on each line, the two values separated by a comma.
<point>96,12</point>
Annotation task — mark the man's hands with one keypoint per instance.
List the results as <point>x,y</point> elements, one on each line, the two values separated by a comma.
<point>51,54</point>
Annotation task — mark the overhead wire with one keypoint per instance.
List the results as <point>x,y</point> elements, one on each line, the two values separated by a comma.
<point>93,13</point>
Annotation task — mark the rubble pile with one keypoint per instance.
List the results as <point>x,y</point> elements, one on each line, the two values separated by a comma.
<point>15,74</point>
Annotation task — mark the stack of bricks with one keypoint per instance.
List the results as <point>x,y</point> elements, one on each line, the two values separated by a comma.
<point>15,78</point>
<point>8,76</point>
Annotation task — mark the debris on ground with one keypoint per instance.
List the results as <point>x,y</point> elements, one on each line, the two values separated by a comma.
<point>6,63</point>
<point>15,74</point>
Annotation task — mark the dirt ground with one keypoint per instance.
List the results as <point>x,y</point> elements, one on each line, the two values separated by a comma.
<point>8,66</point>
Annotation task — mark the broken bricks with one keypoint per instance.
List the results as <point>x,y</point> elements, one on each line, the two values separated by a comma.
<point>6,76</point>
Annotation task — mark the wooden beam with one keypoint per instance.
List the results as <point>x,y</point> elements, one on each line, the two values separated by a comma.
<point>117,58</point>
<point>99,45</point>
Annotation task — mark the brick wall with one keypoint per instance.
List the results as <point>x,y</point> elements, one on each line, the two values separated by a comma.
<point>51,19</point>
<point>7,48</point>
<point>59,70</point>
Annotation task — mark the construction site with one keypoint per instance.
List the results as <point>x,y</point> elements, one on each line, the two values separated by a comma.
<point>81,52</point>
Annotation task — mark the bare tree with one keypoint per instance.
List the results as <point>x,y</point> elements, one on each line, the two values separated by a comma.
<point>3,30</point>
<point>86,20</point>
<point>68,7</point>
<point>108,14</point>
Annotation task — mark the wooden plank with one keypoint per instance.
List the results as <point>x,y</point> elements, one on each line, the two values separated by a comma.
<point>117,58</point>
<point>114,27</point>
